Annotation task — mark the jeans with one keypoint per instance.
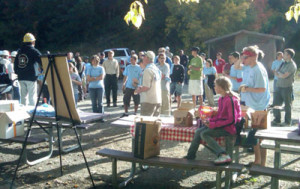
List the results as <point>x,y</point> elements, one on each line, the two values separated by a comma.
<point>207,134</point>
<point>96,95</point>
<point>76,99</point>
<point>283,95</point>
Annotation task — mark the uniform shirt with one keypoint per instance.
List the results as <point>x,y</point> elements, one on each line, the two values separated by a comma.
<point>257,78</point>
<point>151,79</point>
<point>275,65</point>
<point>196,74</point>
<point>238,74</point>
<point>209,71</point>
<point>75,76</point>
<point>132,71</point>
<point>96,72</point>
<point>245,77</point>
<point>165,82</point>
<point>111,66</point>
<point>177,74</point>
<point>291,68</point>
<point>26,60</point>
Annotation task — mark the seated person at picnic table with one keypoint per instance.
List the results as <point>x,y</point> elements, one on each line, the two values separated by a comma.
<point>221,124</point>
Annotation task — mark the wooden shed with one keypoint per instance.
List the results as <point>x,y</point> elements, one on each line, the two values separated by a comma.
<point>236,41</point>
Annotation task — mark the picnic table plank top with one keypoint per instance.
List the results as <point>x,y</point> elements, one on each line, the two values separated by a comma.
<point>285,134</point>
<point>129,120</point>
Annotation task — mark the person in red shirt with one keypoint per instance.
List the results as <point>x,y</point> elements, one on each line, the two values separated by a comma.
<point>219,63</point>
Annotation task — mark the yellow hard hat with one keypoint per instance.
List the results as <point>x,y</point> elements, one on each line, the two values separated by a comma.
<point>28,37</point>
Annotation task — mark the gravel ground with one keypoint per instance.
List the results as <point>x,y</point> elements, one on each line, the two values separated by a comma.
<point>104,135</point>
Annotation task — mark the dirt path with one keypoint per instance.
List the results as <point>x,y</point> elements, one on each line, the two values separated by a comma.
<point>47,174</point>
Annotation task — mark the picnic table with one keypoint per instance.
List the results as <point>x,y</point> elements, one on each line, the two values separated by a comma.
<point>171,133</point>
<point>168,130</point>
<point>281,136</point>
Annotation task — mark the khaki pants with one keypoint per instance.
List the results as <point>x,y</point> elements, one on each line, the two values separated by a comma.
<point>209,95</point>
<point>28,92</point>
<point>165,104</point>
<point>148,109</point>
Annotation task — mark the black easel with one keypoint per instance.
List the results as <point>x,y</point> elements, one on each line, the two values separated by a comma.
<point>52,66</point>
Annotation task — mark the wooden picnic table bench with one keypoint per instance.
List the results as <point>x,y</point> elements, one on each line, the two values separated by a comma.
<point>280,174</point>
<point>169,162</point>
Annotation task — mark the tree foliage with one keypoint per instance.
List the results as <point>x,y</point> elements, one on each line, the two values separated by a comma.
<point>210,18</point>
<point>294,11</point>
<point>136,14</point>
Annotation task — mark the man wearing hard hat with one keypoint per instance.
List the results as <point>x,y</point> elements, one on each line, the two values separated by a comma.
<point>26,67</point>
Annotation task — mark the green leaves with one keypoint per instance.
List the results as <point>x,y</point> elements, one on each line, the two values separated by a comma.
<point>136,13</point>
<point>293,12</point>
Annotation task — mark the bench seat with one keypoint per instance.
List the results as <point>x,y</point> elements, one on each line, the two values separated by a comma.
<point>21,139</point>
<point>177,163</point>
<point>281,174</point>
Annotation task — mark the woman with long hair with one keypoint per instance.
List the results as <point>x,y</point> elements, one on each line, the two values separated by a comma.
<point>221,124</point>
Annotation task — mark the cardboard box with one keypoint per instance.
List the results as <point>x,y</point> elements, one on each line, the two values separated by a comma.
<point>246,113</point>
<point>184,118</point>
<point>186,105</point>
<point>9,105</point>
<point>260,119</point>
<point>12,123</point>
<point>147,137</point>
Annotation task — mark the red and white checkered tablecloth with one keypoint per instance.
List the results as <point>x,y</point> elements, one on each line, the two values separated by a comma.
<point>183,134</point>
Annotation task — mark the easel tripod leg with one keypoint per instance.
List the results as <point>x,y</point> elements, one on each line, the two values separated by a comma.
<point>87,166</point>
<point>21,155</point>
<point>59,149</point>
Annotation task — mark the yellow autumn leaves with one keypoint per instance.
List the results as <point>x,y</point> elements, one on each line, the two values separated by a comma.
<point>136,13</point>
<point>293,12</point>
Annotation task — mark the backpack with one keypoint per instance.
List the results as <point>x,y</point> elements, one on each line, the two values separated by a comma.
<point>239,126</point>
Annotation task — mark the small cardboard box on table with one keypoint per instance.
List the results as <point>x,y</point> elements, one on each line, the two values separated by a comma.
<point>261,119</point>
<point>184,116</point>
<point>147,133</point>
<point>11,119</point>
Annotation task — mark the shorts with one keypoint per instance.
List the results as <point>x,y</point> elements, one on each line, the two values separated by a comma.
<point>176,88</point>
<point>127,96</point>
<point>196,87</point>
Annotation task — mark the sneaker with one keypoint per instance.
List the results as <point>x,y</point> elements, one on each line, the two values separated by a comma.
<point>115,105</point>
<point>101,120</point>
<point>108,105</point>
<point>275,123</point>
<point>124,115</point>
<point>222,159</point>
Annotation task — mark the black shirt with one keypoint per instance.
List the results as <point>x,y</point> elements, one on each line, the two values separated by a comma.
<point>178,74</point>
<point>184,60</point>
<point>25,62</point>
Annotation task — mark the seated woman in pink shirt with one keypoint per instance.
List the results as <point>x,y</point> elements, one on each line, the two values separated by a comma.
<point>221,124</point>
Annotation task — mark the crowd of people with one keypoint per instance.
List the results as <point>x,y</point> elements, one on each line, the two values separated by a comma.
<point>152,81</point>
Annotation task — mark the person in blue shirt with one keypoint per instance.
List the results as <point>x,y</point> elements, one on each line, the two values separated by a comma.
<point>132,74</point>
<point>95,76</point>
<point>210,74</point>
<point>257,92</point>
<point>275,66</point>
<point>236,71</point>
<point>168,60</point>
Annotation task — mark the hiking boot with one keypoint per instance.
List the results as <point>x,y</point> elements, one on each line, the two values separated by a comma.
<point>275,123</point>
<point>222,159</point>
<point>124,115</point>
<point>189,158</point>
<point>284,124</point>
